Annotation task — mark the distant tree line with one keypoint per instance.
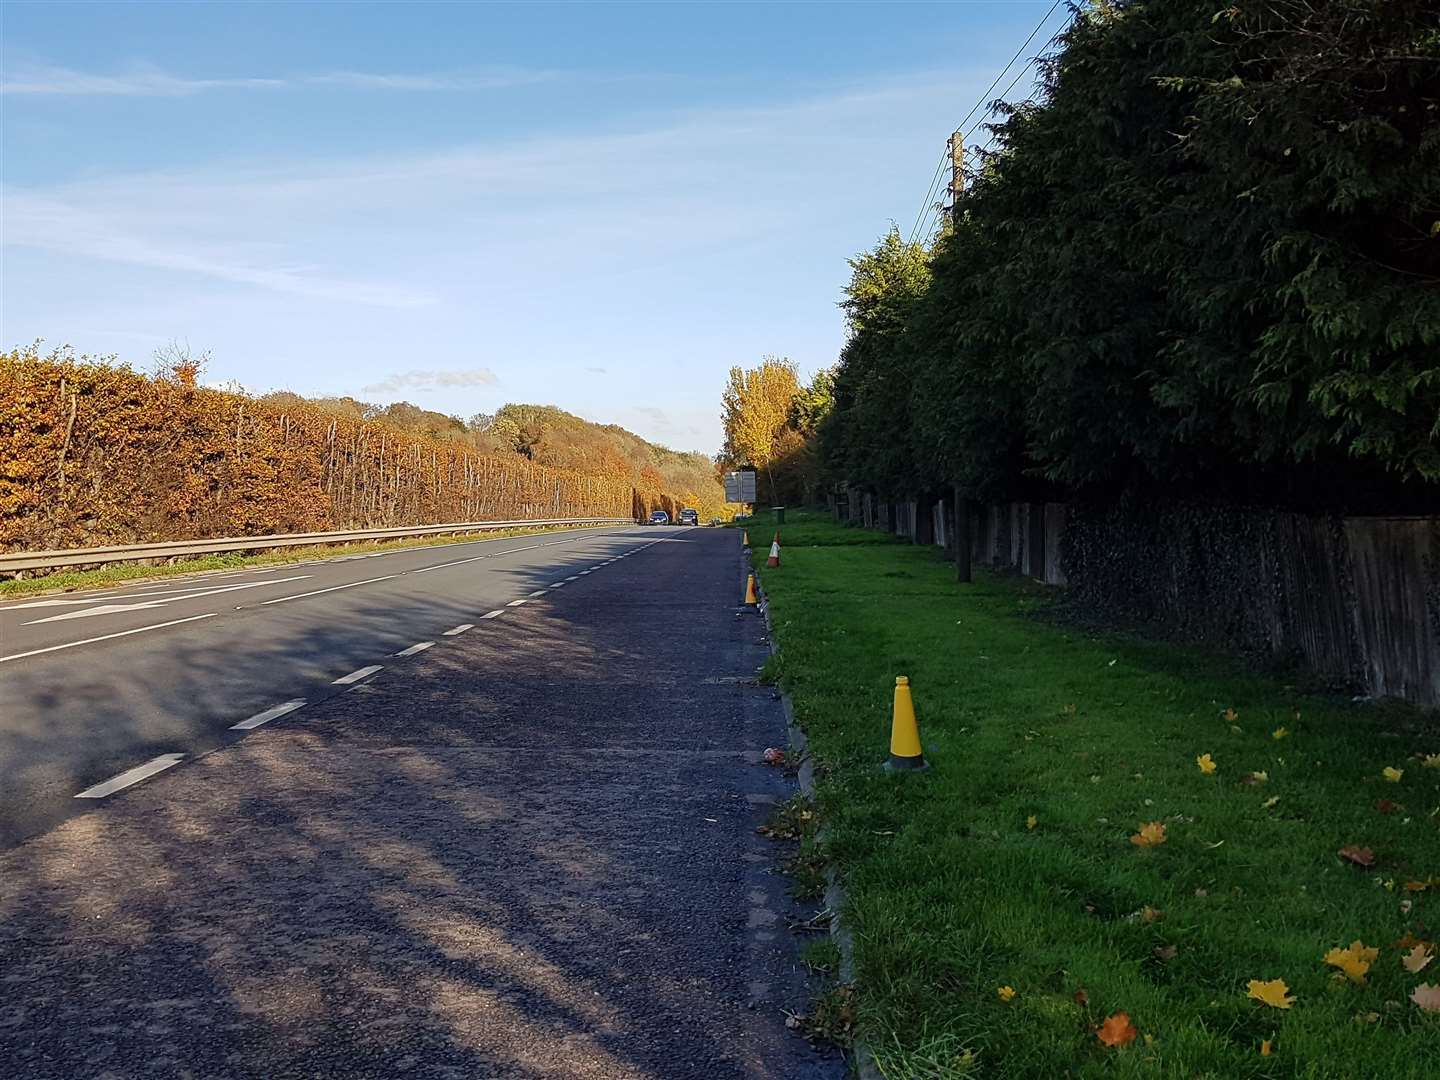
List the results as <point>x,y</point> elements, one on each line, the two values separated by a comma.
<point>93,452</point>
<point>1205,262</point>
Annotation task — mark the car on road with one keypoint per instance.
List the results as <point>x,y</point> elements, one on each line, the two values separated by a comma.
<point>688,516</point>
<point>658,517</point>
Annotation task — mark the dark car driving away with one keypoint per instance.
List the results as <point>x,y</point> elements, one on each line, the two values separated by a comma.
<point>688,516</point>
<point>658,517</point>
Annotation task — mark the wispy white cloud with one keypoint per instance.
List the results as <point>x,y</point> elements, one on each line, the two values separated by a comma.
<point>433,380</point>
<point>95,233</point>
<point>150,81</point>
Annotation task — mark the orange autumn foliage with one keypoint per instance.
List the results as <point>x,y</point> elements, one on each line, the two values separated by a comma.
<point>94,453</point>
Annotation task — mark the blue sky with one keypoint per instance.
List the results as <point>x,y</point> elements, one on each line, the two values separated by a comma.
<point>598,206</point>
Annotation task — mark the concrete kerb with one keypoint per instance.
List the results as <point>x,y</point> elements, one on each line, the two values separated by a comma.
<point>861,1058</point>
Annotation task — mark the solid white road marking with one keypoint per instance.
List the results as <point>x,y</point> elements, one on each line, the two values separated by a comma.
<point>441,566</point>
<point>111,609</point>
<point>106,637</point>
<point>517,603</point>
<point>493,614</point>
<point>131,776</point>
<point>459,629</point>
<point>356,676</point>
<point>333,588</point>
<point>419,647</point>
<point>268,715</point>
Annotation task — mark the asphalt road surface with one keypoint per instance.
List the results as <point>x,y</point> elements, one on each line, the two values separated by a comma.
<point>527,850</point>
<point>95,683</point>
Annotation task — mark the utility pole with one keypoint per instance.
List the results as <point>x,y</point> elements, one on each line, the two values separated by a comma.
<point>962,506</point>
<point>957,173</point>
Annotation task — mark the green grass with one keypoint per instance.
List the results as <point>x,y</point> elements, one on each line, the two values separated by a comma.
<point>950,895</point>
<point>120,573</point>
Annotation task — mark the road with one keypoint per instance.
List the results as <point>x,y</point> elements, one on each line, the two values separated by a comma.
<point>528,850</point>
<point>95,683</point>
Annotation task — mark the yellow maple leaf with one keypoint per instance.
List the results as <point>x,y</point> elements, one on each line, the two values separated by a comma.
<point>1031,821</point>
<point>1006,993</point>
<point>1416,959</point>
<point>1354,961</point>
<point>1150,834</point>
<point>1270,802</point>
<point>1260,776</point>
<point>1392,774</point>
<point>1270,993</point>
<point>1206,764</point>
<point>1264,1047</point>
<point>1279,732</point>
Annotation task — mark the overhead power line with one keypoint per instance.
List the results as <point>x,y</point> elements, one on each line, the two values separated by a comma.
<point>928,207</point>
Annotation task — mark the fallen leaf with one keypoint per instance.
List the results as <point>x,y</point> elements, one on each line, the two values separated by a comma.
<point>1264,1047</point>
<point>1417,959</point>
<point>1270,802</point>
<point>1280,732</point>
<point>1256,777</point>
<point>1427,997</point>
<point>1270,993</point>
<point>1166,953</point>
<point>1386,806</point>
<point>1360,856</point>
<point>1117,1030</point>
<point>1417,886</point>
<point>1081,998</point>
<point>1367,1018</point>
<point>1354,961</point>
<point>1150,834</point>
<point>1392,774</point>
<point>1150,914</point>
<point>1206,764</point>
<point>1031,821</point>
<point>1431,761</point>
<point>1409,941</point>
<point>1231,716</point>
<point>1006,993</point>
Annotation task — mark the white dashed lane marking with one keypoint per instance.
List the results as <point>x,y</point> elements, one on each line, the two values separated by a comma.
<point>517,603</point>
<point>419,647</point>
<point>537,592</point>
<point>493,614</point>
<point>131,776</point>
<point>268,715</point>
<point>459,629</point>
<point>356,676</point>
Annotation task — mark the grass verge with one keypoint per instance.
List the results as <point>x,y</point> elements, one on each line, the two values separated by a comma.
<point>1010,862</point>
<point>121,573</point>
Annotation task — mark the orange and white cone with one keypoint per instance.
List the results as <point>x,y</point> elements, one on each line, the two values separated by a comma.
<point>774,559</point>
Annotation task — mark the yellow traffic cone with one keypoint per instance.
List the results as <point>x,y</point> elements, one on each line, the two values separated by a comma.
<point>750,597</point>
<point>744,537</point>
<point>774,559</point>
<point>905,752</point>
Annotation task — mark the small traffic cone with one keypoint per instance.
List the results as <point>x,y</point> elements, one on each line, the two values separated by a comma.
<point>744,537</point>
<point>905,752</point>
<point>774,559</point>
<point>750,597</point>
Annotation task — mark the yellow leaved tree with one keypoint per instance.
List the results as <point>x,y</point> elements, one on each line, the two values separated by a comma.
<point>756,414</point>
